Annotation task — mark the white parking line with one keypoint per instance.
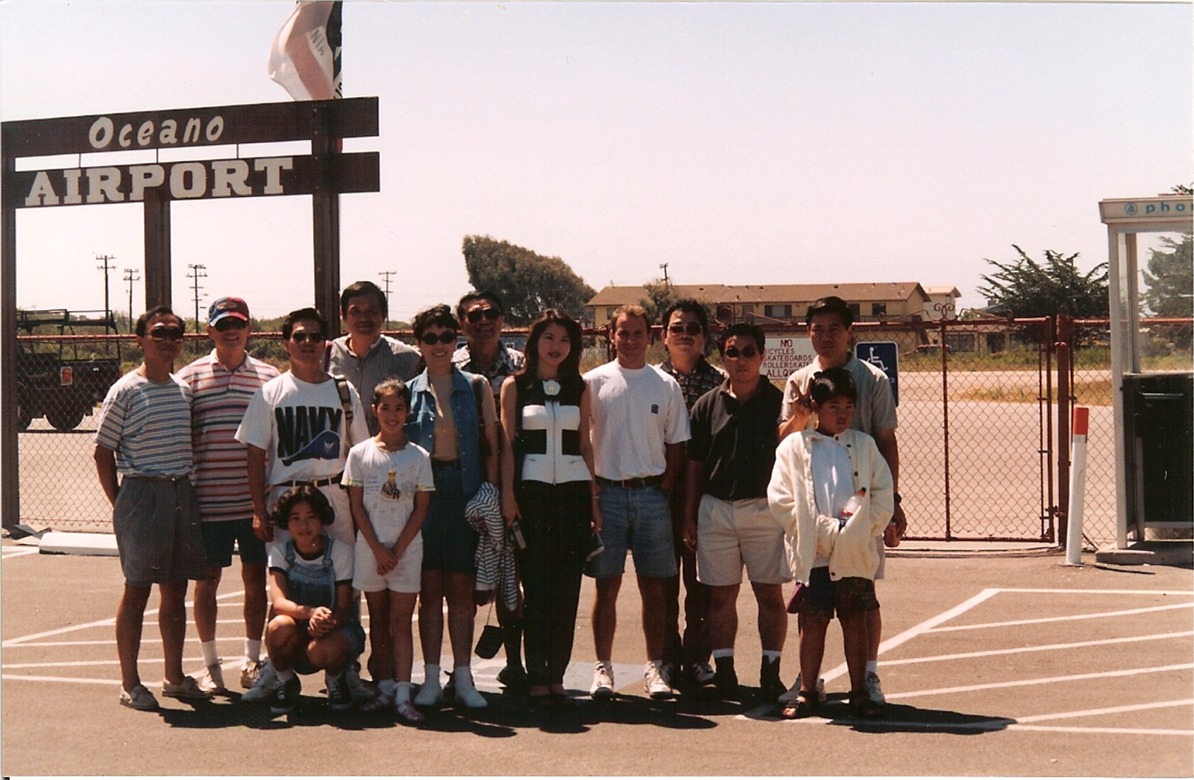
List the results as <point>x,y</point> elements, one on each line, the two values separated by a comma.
<point>1042,681</point>
<point>1039,648</point>
<point>1063,618</point>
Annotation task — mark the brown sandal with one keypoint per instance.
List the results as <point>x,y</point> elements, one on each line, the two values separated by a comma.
<point>804,706</point>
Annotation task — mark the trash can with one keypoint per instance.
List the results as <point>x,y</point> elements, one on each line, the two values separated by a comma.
<point>1159,433</point>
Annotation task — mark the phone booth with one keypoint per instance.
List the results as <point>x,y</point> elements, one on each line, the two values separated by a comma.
<point>1154,440</point>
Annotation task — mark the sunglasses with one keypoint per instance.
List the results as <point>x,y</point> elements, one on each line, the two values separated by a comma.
<point>231,323</point>
<point>166,333</point>
<point>304,336</point>
<point>747,352</point>
<point>691,328</point>
<point>447,337</point>
<point>475,315</point>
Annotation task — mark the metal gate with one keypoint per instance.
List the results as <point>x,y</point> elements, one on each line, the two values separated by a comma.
<point>975,427</point>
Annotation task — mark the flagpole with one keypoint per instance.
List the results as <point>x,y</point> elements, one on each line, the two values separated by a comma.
<point>325,219</point>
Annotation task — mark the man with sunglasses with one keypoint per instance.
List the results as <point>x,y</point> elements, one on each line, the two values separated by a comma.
<point>222,383</point>
<point>297,432</point>
<point>727,519</point>
<point>686,658</point>
<point>143,457</point>
<point>482,318</point>
<point>830,327</point>
<point>366,356</point>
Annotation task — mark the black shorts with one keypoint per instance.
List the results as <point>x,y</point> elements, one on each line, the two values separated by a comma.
<point>220,536</point>
<point>822,597</point>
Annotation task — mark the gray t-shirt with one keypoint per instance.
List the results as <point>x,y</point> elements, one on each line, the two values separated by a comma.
<point>875,407</point>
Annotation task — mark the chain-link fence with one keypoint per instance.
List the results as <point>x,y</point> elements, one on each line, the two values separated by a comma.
<point>980,453</point>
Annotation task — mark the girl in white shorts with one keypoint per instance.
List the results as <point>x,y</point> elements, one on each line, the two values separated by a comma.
<point>389,486</point>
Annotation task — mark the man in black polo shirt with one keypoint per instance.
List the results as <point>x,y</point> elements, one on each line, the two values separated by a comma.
<point>728,522</point>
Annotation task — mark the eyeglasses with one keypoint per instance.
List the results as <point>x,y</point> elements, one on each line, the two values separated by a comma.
<point>304,336</point>
<point>491,313</point>
<point>230,323</point>
<point>447,337</point>
<point>691,328</point>
<point>747,352</point>
<point>166,333</point>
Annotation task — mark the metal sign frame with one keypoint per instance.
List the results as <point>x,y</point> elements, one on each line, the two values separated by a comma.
<point>322,175</point>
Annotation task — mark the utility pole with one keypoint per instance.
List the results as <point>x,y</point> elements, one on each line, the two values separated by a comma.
<point>131,275</point>
<point>106,268</point>
<point>387,275</point>
<point>665,279</point>
<point>197,272</point>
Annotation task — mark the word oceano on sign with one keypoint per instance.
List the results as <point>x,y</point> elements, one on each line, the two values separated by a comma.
<point>184,180</point>
<point>103,132</point>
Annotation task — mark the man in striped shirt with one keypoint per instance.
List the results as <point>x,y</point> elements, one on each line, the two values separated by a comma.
<point>222,384</point>
<point>143,460</point>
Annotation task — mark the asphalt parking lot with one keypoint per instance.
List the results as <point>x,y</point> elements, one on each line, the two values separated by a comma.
<point>993,665</point>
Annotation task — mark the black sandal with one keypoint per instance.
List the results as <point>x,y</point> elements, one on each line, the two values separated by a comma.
<point>862,706</point>
<point>804,706</point>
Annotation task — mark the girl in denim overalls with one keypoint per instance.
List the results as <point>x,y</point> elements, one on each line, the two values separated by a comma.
<point>310,585</point>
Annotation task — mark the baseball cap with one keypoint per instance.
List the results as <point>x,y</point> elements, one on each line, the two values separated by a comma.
<point>228,307</point>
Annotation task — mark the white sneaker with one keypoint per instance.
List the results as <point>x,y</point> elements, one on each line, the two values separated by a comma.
<point>430,694</point>
<point>873,690</point>
<point>248,673</point>
<point>603,682</point>
<point>654,684</point>
<point>211,679</point>
<point>263,687</point>
<point>790,695</point>
<point>467,693</point>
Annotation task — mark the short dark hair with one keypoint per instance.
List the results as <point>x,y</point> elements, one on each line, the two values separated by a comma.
<point>630,310</point>
<point>479,295</point>
<point>688,306</point>
<point>830,304</point>
<point>833,383</point>
<point>305,313</point>
<point>742,329</point>
<point>362,288</point>
<point>304,494</point>
<point>439,314</point>
<point>570,365</point>
<point>392,386</point>
<point>156,311</point>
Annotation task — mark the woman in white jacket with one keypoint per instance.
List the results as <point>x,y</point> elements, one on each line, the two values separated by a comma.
<point>833,547</point>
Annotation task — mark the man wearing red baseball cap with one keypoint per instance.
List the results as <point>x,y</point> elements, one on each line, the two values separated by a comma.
<point>222,384</point>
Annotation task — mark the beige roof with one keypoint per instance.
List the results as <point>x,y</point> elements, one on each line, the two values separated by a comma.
<point>768,293</point>
<point>942,289</point>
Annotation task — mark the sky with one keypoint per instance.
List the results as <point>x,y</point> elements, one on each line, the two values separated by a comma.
<point>739,143</point>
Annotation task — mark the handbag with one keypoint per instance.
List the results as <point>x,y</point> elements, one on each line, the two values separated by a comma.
<point>797,599</point>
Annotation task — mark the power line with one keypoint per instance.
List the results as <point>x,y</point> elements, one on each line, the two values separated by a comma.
<point>196,273</point>
<point>106,268</point>
<point>131,275</point>
<point>387,275</point>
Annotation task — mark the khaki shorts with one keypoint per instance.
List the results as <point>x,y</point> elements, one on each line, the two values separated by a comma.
<point>733,534</point>
<point>405,577</point>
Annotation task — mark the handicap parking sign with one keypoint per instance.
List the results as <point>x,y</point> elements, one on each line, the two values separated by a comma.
<point>884,355</point>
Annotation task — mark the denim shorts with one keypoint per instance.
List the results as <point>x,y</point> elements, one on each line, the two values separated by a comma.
<point>220,536</point>
<point>351,631</point>
<point>637,520</point>
<point>449,542</point>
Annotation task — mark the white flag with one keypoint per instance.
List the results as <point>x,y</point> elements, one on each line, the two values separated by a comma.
<point>305,58</point>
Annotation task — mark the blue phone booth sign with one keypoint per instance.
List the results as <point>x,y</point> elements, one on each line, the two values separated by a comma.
<point>884,355</point>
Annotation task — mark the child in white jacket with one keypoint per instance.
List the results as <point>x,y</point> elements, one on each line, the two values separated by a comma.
<point>833,551</point>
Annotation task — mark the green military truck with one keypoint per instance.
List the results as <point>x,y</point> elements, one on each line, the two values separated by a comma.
<point>65,364</point>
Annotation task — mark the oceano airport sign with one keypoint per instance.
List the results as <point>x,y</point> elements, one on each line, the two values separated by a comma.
<point>171,129</point>
<point>234,178</point>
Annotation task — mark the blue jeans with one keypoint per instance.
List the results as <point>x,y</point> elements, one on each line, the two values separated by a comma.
<point>637,520</point>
